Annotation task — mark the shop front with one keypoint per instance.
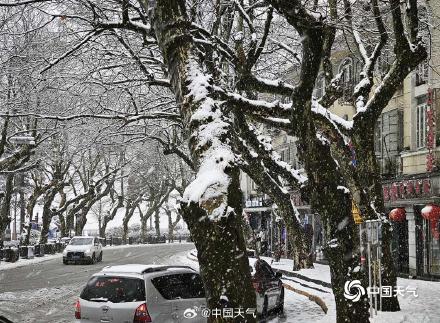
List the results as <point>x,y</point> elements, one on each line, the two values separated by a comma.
<point>413,206</point>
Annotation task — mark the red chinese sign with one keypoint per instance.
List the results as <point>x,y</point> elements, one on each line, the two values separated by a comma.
<point>406,189</point>
<point>430,134</point>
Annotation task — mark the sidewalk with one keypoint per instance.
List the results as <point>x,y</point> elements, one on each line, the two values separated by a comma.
<point>421,309</point>
<point>317,282</point>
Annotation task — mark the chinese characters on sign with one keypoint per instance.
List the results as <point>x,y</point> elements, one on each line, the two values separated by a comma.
<point>406,189</point>
<point>430,132</point>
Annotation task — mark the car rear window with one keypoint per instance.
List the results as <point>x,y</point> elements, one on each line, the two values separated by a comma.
<point>114,289</point>
<point>179,286</point>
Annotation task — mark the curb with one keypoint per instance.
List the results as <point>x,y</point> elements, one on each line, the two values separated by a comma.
<point>303,277</point>
<point>311,297</point>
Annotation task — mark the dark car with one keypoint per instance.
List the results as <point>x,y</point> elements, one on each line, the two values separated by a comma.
<point>268,288</point>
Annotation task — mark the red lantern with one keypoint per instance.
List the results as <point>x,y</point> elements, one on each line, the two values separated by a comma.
<point>431,212</point>
<point>397,214</point>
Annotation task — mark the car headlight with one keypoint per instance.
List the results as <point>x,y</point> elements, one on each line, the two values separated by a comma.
<point>64,252</point>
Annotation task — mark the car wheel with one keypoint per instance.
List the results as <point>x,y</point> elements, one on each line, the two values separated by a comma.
<point>65,262</point>
<point>265,307</point>
<point>93,259</point>
<point>100,257</point>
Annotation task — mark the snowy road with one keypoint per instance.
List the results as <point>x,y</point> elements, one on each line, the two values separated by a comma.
<point>46,291</point>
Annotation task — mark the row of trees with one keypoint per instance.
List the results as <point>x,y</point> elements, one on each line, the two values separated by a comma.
<point>206,73</point>
<point>68,181</point>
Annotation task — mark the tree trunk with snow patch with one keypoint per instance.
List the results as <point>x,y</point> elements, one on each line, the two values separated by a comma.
<point>212,202</point>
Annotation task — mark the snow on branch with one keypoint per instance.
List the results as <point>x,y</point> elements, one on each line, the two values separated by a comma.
<point>255,107</point>
<point>72,50</point>
<point>279,87</point>
<point>263,148</point>
<point>336,121</point>
<point>287,48</point>
<point>128,118</point>
<point>20,3</point>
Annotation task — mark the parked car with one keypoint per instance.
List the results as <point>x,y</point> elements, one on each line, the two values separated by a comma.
<point>268,288</point>
<point>83,249</point>
<point>142,293</point>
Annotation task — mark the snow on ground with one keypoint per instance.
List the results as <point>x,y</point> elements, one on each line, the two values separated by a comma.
<point>54,302</point>
<point>26,262</point>
<point>422,309</point>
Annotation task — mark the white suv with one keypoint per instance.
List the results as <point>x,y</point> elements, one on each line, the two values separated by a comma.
<point>83,249</point>
<point>142,293</point>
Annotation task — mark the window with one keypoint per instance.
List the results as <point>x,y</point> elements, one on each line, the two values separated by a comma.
<point>179,286</point>
<point>285,154</point>
<point>346,69</point>
<point>383,64</point>
<point>286,100</point>
<point>421,125</point>
<point>378,137</point>
<point>358,70</point>
<point>422,73</point>
<point>114,289</point>
<point>319,87</point>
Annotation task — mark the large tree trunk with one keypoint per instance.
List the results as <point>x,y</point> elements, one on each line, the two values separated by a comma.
<point>171,224</point>
<point>131,207</point>
<point>108,217</point>
<point>372,204</point>
<point>342,249</point>
<point>213,212</point>
<point>221,252</point>
<point>334,204</point>
<point>258,167</point>
<point>30,211</point>
<point>47,213</point>
<point>5,207</point>
<point>157,222</point>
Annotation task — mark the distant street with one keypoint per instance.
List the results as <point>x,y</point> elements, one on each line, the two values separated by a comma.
<point>46,292</point>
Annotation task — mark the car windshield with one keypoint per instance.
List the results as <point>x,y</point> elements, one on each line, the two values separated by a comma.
<point>114,289</point>
<point>81,241</point>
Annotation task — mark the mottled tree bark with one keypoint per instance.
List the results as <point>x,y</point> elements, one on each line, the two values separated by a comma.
<point>129,211</point>
<point>224,266</point>
<point>47,213</point>
<point>334,206</point>
<point>5,206</point>
<point>110,216</point>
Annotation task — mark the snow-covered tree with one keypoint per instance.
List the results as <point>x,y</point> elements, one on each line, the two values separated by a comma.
<point>225,64</point>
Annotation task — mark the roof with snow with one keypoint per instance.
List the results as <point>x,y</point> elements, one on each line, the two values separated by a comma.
<point>140,269</point>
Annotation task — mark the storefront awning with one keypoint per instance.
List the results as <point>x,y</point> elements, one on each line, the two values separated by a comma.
<point>431,212</point>
<point>398,214</point>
